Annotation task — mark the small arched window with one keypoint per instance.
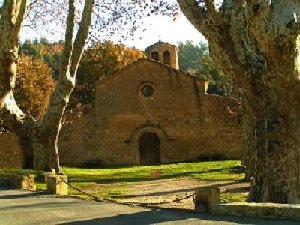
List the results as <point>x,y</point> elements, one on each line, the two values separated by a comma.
<point>167,57</point>
<point>155,56</point>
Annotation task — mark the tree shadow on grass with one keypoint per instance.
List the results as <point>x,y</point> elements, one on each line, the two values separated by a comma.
<point>183,190</point>
<point>124,177</point>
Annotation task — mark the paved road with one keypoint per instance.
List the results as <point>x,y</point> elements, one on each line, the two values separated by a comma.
<point>22,207</point>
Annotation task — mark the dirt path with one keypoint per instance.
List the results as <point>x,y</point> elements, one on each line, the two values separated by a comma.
<point>169,193</point>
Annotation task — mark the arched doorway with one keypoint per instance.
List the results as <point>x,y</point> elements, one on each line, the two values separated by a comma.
<point>149,146</point>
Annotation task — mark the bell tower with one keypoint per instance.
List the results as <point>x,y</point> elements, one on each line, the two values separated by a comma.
<point>164,53</point>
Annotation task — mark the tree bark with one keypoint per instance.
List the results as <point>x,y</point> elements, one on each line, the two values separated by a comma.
<point>256,43</point>
<point>12,14</point>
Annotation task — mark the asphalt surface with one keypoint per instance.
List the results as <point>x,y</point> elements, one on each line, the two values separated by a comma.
<point>23,207</point>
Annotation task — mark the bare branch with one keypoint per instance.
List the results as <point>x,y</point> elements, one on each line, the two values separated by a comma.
<point>21,15</point>
<point>68,47</point>
<point>81,36</point>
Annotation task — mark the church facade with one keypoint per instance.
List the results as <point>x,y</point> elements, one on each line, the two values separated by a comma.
<point>149,113</point>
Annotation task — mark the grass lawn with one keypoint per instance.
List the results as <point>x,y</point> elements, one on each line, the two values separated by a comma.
<point>118,180</point>
<point>214,170</point>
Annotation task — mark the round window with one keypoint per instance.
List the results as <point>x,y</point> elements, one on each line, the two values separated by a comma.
<point>147,90</point>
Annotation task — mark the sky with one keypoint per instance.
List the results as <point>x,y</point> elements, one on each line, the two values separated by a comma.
<point>157,28</point>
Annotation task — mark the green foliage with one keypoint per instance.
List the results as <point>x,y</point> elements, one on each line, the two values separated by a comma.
<point>190,55</point>
<point>196,60</point>
<point>42,49</point>
<point>219,83</point>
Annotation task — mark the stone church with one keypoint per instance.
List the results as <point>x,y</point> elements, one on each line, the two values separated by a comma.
<point>151,112</point>
<point>148,113</point>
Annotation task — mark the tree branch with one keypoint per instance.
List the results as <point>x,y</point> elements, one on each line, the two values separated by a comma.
<point>81,36</point>
<point>68,46</point>
<point>12,116</point>
<point>21,14</point>
<point>211,9</point>
<point>12,15</point>
<point>196,14</point>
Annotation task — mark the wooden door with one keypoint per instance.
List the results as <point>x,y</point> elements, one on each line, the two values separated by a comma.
<point>149,146</point>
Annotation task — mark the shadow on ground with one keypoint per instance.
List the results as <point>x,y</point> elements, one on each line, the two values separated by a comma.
<point>169,217</point>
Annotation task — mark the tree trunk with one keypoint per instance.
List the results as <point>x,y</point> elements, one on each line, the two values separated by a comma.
<point>11,17</point>
<point>276,177</point>
<point>249,139</point>
<point>256,43</point>
<point>12,118</point>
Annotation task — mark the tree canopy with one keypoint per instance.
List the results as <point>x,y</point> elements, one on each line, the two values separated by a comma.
<point>190,55</point>
<point>104,59</point>
<point>42,49</point>
<point>34,85</point>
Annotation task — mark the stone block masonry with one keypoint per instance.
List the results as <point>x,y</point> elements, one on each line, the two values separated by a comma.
<point>259,210</point>
<point>11,151</point>
<point>207,200</point>
<point>57,184</point>
<point>177,122</point>
<point>25,182</point>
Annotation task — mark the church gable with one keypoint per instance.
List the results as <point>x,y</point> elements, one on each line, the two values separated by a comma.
<point>148,83</point>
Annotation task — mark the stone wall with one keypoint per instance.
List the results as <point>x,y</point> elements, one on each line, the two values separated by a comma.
<point>258,210</point>
<point>160,48</point>
<point>11,152</point>
<point>73,135</point>
<point>189,123</point>
<point>207,200</point>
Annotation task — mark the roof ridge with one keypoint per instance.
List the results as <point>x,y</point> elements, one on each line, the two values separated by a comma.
<point>180,72</point>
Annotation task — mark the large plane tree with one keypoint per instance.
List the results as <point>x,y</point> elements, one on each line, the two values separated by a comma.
<point>257,43</point>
